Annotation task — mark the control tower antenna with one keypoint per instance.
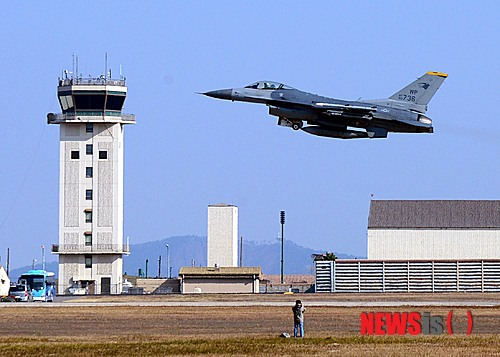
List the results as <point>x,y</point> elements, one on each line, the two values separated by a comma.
<point>106,65</point>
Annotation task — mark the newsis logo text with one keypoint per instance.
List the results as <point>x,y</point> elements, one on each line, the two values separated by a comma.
<point>413,323</point>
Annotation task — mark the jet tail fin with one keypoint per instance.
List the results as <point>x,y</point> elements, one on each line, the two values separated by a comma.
<point>422,90</point>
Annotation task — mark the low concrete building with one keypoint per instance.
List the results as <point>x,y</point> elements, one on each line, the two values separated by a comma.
<point>220,280</point>
<point>296,283</point>
<point>158,285</point>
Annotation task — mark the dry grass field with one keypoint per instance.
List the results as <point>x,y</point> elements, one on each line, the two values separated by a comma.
<point>154,331</point>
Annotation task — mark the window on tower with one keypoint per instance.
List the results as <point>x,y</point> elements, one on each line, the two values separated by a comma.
<point>103,155</point>
<point>75,155</point>
<point>88,261</point>
<point>89,149</point>
<point>88,195</point>
<point>88,172</point>
<point>89,128</point>
<point>88,216</point>
<point>88,238</point>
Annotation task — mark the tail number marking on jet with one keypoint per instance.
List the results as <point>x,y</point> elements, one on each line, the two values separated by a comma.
<point>408,98</point>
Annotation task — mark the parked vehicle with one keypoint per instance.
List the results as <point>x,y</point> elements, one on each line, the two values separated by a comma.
<point>42,284</point>
<point>20,292</point>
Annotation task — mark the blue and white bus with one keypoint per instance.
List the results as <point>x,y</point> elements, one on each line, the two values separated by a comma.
<point>41,283</point>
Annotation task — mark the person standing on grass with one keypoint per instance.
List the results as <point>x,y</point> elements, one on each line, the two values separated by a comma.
<point>298,318</point>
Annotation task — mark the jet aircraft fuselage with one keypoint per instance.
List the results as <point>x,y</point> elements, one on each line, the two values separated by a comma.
<point>330,117</point>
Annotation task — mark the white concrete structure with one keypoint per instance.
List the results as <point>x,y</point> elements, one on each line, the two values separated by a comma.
<point>91,184</point>
<point>434,230</point>
<point>222,242</point>
<point>4,282</point>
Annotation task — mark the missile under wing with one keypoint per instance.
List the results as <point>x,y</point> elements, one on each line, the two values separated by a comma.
<point>403,112</point>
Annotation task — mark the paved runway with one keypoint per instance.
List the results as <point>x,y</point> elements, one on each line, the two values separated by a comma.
<point>395,303</point>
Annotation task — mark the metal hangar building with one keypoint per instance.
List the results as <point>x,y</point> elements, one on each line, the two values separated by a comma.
<point>434,229</point>
<point>422,246</point>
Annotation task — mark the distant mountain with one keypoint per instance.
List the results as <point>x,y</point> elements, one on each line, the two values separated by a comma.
<point>186,249</point>
<point>183,250</point>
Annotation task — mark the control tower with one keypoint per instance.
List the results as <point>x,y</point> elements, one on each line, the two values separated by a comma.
<point>91,244</point>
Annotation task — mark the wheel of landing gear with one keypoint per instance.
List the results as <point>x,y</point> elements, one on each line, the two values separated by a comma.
<point>296,126</point>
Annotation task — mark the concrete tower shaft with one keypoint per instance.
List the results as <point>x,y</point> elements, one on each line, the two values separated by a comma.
<point>91,184</point>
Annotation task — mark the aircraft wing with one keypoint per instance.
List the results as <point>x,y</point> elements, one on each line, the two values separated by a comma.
<point>361,109</point>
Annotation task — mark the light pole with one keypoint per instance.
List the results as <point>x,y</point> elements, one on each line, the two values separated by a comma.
<point>282,221</point>
<point>33,264</point>
<point>168,261</point>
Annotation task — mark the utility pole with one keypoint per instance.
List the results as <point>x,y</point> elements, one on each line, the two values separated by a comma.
<point>159,266</point>
<point>147,261</point>
<point>282,221</point>
<point>168,261</point>
<point>43,257</point>
<point>8,260</point>
<point>241,251</point>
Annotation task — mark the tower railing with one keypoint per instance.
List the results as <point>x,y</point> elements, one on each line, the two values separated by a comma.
<point>94,248</point>
<point>63,117</point>
<point>101,81</point>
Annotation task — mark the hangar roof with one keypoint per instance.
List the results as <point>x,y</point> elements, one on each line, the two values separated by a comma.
<point>471,214</point>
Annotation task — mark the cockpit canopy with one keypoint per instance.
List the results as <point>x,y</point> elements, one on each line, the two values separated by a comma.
<point>268,85</point>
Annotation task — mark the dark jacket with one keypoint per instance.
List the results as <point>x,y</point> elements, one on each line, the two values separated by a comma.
<point>298,313</point>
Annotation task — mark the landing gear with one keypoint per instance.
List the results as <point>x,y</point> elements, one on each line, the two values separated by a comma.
<point>295,125</point>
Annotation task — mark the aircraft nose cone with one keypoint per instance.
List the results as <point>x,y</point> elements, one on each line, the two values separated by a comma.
<point>220,94</point>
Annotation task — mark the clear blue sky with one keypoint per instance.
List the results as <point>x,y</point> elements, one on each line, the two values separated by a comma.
<point>188,151</point>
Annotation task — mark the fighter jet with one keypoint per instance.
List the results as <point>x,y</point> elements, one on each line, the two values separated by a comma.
<point>402,112</point>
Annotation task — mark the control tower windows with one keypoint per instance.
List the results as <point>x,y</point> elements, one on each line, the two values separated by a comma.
<point>115,102</point>
<point>66,102</point>
<point>92,101</point>
<point>75,155</point>
<point>89,149</point>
